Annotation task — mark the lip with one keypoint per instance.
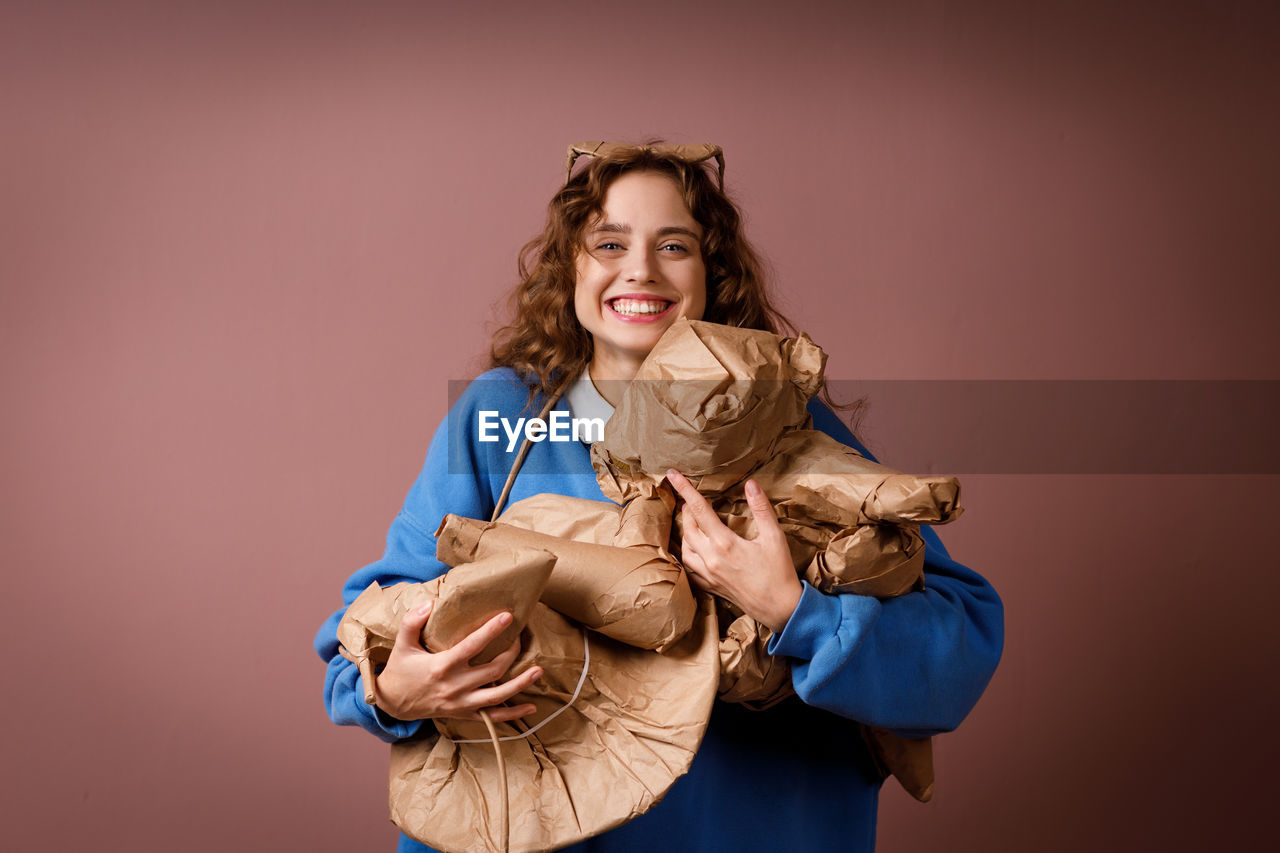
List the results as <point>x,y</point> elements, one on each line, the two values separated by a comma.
<point>640,318</point>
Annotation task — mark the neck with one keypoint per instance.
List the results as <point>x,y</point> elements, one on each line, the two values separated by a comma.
<point>610,375</point>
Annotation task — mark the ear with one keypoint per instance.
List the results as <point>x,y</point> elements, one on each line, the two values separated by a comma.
<point>806,360</point>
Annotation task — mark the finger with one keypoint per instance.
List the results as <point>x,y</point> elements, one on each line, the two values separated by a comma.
<point>692,544</point>
<point>497,713</point>
<point>410,634</point>
<point>683,487</point>
<point>475,642</point>
<point>761,510</point>
<point>503,713</point>
<point>700,582</point>
<point>693,562</point>
<point>496,668</point>
<point>696,506</point>
<point>693,535</point>
<point>500,693</point>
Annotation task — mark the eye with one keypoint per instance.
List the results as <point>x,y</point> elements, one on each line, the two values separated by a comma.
<point>609,246</point>
<point>674,248</point>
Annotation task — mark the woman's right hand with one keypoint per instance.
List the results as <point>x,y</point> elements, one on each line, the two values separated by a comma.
<point>417,684</point>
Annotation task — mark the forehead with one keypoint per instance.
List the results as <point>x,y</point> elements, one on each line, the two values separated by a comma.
<point>646,198</point>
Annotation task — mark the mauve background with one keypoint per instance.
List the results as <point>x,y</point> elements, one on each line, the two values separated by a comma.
<point>244,246</point>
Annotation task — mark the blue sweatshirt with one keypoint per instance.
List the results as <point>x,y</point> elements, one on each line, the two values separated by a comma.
<point>795,777</point>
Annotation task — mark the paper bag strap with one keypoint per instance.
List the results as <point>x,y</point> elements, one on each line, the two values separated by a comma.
<point>577,690</point>
<point>524,451</point>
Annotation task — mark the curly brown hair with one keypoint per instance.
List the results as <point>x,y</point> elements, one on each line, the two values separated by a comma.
<point>545,344</point>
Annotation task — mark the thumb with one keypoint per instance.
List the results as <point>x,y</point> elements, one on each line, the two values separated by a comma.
<point>761,509</point>
<point>410,633</point>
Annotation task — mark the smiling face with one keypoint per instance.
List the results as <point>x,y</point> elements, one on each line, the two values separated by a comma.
<point>640,269</point>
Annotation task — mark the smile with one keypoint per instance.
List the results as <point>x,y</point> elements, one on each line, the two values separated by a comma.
<point>637,309</point>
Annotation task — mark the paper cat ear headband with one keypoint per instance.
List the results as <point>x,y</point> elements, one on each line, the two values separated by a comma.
<point>690,154</point>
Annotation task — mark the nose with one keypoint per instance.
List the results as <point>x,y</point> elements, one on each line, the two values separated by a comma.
<point>640,266</point>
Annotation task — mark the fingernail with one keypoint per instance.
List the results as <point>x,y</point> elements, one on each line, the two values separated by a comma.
<point>423,608</point>
<point>504,619</point>
<point>753,489</point>
<point>537,672</point>
<point>671,473</point>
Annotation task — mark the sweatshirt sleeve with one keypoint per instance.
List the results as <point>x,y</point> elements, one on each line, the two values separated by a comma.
<point>455,478</point>
<point>915,664</point>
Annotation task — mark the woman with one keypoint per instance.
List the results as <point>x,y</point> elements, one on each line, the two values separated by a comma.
<point>639,238</point>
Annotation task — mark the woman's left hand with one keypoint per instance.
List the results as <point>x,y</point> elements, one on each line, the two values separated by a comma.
<point>755,574</point>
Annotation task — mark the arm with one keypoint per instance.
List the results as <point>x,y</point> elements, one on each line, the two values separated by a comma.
<point>915,664</point>
<point>455,478</point>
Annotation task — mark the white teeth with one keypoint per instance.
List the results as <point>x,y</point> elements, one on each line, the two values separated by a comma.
<point>637,307</point>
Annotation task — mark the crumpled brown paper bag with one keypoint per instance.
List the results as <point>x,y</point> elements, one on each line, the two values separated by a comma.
<point>615,576</point>
<point>615,727</point>
<point>722,405</point>
<point>465,599</point>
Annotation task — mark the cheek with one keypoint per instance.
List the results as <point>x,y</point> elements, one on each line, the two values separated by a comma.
<point>582,302</point>
<point>588,287</point>
<point>581,287</point>
<point>697,295</point>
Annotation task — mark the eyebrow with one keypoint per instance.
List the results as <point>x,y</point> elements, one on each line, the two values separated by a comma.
<point>618,228</point>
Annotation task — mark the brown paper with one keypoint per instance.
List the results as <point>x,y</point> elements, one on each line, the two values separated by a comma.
<point>687,410</point>
<point>910,760</point>
<point>722,405</point>
<point>368,629</point>
<point>748,674</point>
<point>638,595</point>
<point>466,598</point>
<point>568,518</point>
<point>472,594</point>
<point>593,762</point>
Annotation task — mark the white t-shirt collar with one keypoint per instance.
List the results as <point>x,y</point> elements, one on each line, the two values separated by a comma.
<point>585,401</point>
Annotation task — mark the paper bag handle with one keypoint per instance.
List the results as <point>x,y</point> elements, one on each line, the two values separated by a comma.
<point>524,451</point>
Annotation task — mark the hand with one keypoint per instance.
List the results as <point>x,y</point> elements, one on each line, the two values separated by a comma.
<point>755,574</point>
<point>417,684</point>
